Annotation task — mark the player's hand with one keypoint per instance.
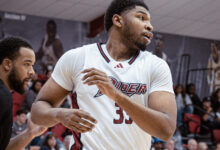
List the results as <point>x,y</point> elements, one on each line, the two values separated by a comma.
<point>76,120</point>
<point>96,77</point>
<point>33,129</point>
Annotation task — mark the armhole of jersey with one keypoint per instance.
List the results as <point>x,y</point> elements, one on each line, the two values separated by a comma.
<point>83,54</point>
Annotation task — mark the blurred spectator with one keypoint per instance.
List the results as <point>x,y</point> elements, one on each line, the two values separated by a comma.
<point>50,143</point>
<point>214,67</point>
<point>35,143</point>
<point>215,99</point>
<point>202,146</point>
<point>51,47</point>
<point>192,144</point>
<point>159,45</point>
<point>217,147</point>
<point>44,77</point>
<point>157,144</point>
<point>67,102</point>
<point>32,94</point>
<point>207,116</point>
<point>34,78</point>
<point>66,141</point>
<point>191,91</point>
<point>178,140</point>
<point>20,123</point>
<point>184,103</point>
<point>217,120</point>
<point>49,72</point>
<point>169,145</point>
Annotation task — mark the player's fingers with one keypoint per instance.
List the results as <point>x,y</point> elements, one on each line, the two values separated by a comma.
<point>81,126</point>
<point>96,82</point>
<point>75,129</point>
<point>91,69</point>
<point>88,70</point>
<point>92,72</point>
<point>86,116</point>
<point>94,78</point>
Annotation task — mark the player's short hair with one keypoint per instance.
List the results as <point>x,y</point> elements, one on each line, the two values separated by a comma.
<point>118,7</point>
<point>9,47</point>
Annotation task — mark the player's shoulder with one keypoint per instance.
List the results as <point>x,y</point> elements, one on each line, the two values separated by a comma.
<point>150,57</point>
<point>79,50</point>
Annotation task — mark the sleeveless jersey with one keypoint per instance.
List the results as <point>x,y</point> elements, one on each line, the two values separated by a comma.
<point>137,77</point>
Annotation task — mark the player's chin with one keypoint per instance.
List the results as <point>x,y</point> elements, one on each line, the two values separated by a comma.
<point>142,46</point>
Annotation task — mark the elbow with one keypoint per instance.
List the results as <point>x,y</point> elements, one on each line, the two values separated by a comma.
<point>167,130</point>
<point>33,113</point>
<point>168,133</point>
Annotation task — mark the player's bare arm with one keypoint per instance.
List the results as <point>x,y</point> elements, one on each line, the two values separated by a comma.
<point>159,117</point>
<point>45,111</point>
<point>24,138</point>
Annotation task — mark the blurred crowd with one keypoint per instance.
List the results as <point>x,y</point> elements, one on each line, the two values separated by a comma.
<point>198,119</point>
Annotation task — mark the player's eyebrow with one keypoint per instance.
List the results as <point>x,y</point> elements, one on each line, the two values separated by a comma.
<point>142,12</point>
<point>30,61</point>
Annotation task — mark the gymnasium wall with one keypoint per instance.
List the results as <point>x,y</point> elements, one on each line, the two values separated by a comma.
<point>74,34</point>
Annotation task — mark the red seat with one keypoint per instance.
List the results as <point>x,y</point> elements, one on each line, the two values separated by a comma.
<point>58,129</point>
<point>17,100</point>
<point>216,135</point>
<point>194,122</point>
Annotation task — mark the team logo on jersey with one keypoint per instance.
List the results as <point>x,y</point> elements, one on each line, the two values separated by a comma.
<point>127,88</point>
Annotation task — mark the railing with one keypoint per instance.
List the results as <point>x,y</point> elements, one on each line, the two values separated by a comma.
<point>199,78</point>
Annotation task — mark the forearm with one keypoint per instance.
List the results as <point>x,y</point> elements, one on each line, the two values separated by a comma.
<point>154,122</point>
<point>20,141</point>
<point>43,114</point>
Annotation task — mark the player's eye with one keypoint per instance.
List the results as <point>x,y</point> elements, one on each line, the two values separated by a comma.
<point>141,17</point>
<point>27,64</point>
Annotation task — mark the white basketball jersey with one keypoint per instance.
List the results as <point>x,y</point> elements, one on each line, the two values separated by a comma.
<point>137,77</point>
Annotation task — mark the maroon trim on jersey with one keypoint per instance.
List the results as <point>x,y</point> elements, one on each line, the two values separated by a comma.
<point>78,144</point>
<point>76,136</point>
<point>108,60</point>
<point>102,53</point>
<point>134,58</point>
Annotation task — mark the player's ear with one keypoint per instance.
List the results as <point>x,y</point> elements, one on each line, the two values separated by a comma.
<point>117,20</point>
<point>7,64</point>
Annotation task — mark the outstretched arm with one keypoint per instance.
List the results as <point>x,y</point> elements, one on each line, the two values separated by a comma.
<point>158,119</point>
<point>45,111</point>
<point>23,139</point>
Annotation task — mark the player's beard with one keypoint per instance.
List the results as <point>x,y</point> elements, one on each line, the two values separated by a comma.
<point>14,82</point>
<point>131,38</point>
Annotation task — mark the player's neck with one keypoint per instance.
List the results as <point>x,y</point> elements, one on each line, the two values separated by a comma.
<point>117,49</point>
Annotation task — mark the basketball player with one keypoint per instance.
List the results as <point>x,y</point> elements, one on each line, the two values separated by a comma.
<point>214,68</point>
<point>126,89</point>
<point>16,61</point>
